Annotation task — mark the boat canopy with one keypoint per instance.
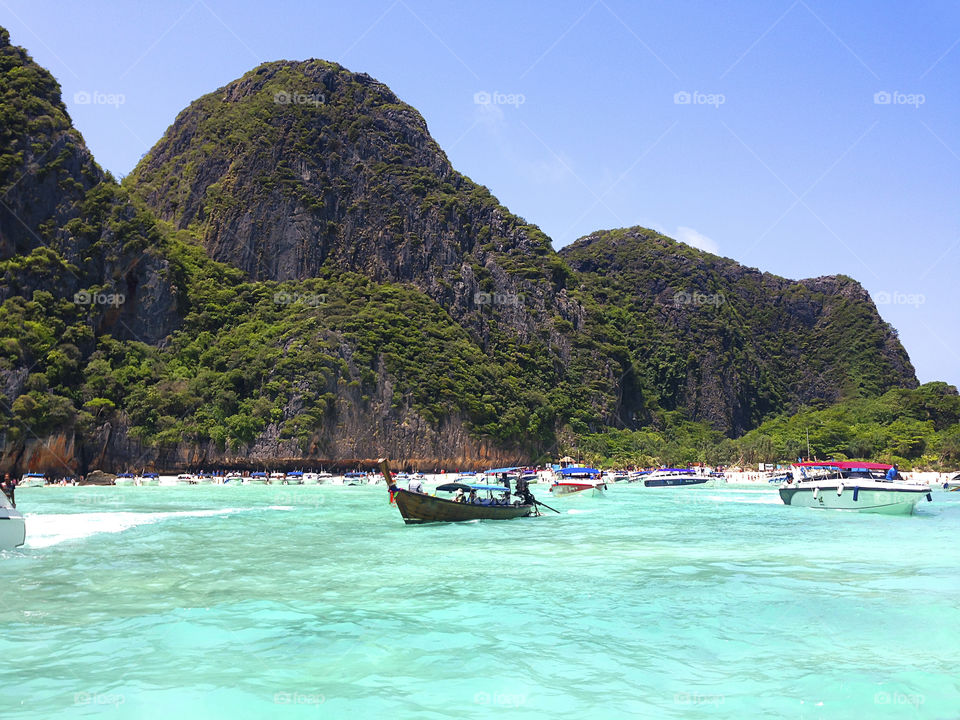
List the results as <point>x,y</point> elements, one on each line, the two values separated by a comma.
<point>845,465</point>
<point>499,471</point>
<point>683,470</point>
<point>34,475</point>
<point>579,471</point>
<point>295,473</point>
<point>454,486</point>
<point>355,474</point>
<point>258,474</point>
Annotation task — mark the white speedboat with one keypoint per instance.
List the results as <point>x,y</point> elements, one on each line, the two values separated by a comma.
<point>186,479</point>
<point>277,478</point>
<point>952,484</point>
<point>312,478</point>
<point>149,479</point>
<point>354,478</point>
<point>13,529</point>
<point>125,479</point>
<point>851,485</point>
<point>293,478</point>
<point>582,481</point>
<point>675,477</point>
<point>32,479</point>
<point>256,478</point>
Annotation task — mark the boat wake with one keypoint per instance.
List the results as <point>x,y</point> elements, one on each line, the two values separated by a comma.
<point>46,530</point>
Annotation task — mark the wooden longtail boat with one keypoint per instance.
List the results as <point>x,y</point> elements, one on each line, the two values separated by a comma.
<point>417,508</point>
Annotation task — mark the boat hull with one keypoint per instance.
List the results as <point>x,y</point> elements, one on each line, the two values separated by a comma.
<point>561,490</point>
<point>853,497</point>
<point>416,509</point>
<point>691,482</point>
<point>13,529</point>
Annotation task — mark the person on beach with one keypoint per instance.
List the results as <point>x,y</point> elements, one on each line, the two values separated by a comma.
<point>893,473</point>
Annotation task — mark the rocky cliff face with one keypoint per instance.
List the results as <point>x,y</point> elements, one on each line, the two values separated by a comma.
<point>729,344</point>
<point>323,288</point>
<point>298,168</point>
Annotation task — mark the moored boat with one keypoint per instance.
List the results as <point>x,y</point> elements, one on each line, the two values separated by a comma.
<point>675,477</point>
<point>13,528</point>
<point>354,478</point>
<point>580,481</point>
<point>125,478</point>
<point>256,478</point>
<point>32,479</point>
<point>418,508</point>
<point>855,486</point>
<point>293,478</point>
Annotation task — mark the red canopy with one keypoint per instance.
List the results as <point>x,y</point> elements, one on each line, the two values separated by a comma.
<point>845,464</point>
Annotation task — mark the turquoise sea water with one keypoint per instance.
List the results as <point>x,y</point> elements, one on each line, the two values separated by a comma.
<point>318,602</point>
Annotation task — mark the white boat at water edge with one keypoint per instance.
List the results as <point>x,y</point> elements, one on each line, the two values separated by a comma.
<point>853,486</point>
<point>32,479</point>
<point>185,479</point>
<point>124,479</point>
<point>256,478</point>
<point>293,478</point>
<point>578,481</point>
<point>13,528</point>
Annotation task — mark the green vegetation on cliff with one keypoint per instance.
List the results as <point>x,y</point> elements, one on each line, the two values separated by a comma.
<point>918,428</point>
<point>295,269</point>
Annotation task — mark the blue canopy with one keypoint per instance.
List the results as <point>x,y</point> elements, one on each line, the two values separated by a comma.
<point>497,471</point>
<point>579,471</point>
<point>258,474</point>
<point>490,487</point>
<point>295,473</point>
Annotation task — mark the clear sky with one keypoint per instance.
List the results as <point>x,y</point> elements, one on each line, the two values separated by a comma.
<point>802,137</point>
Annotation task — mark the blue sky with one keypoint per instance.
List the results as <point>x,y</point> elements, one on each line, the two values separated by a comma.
<point>799,137</point>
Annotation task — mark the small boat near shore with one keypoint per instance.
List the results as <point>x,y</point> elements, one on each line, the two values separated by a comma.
<point>13,528</point>
<point>580,481</point>
<point>32,479</point>
<point>855,486</point>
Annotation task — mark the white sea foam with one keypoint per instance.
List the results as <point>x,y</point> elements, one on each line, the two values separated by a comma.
<point>46,530</point>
